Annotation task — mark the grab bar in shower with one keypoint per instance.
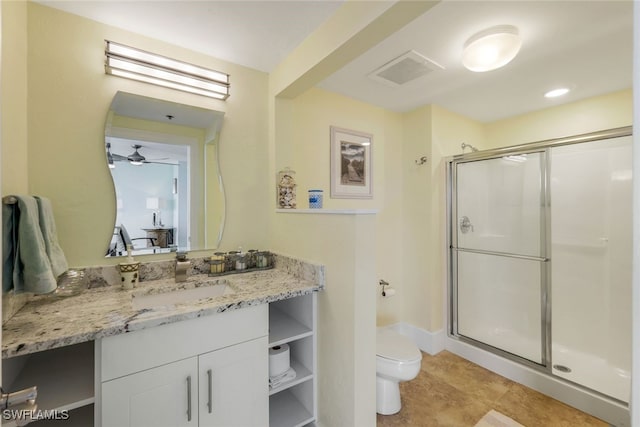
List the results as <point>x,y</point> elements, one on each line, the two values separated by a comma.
<point>503,254</point>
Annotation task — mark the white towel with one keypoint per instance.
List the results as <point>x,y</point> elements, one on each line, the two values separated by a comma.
<point>285,377</point>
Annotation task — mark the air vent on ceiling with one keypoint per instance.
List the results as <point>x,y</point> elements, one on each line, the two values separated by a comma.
<point>405,68</point>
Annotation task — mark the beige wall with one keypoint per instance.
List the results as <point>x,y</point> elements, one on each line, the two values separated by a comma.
<point>345,244</point>
<point>436,133</point>
<point>416,217</point>
<point>590,115</point>
<point>15,178</point>
<point>449,131</point>
<point>55,134</point>
<point>303,145</point>
<point>68,99</point>
<point>13,103</point>
<point>357,250</point>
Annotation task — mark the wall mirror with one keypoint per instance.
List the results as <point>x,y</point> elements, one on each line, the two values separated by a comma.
<point>163,158</point>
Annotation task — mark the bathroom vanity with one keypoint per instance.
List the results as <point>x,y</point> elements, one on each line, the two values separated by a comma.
<point>196,362</point>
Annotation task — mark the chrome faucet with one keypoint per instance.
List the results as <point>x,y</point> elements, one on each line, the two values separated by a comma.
<point>182,266</point>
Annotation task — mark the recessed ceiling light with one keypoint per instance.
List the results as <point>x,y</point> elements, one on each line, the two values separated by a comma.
<point>492,48</point>
<point>556,92</point>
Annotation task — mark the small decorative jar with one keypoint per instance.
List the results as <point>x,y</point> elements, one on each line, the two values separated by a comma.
<point>263,259</point>
<point>315,199</point>
<point>230,260</point>
<point>251,258</point>
<point>217,263</point>
<point>286,189</point>
<point>241,261</point>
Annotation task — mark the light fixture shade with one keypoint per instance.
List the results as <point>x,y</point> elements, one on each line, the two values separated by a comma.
<point>136,158</point>
<point>136,64</point>
<point>153,203</point>
<point>492,48</point>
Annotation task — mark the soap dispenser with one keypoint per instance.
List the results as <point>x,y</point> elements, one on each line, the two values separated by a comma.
<point>129,271</point>
<point>130,254</point>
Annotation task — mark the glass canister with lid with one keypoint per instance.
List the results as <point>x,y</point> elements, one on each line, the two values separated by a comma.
<point>286,189</point>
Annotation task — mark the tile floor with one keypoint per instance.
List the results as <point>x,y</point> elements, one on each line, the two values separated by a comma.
<point>453,392</point>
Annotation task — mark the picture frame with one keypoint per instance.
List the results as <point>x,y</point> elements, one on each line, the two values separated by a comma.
<point>351,167</point>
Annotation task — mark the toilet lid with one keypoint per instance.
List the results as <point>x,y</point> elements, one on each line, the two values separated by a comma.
<point>392,345</point>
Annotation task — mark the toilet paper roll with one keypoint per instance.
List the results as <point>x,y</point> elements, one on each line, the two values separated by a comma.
<point>279,360</point>
<point>389,292</point>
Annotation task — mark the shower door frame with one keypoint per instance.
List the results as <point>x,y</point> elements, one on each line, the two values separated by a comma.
<point>545,236</point>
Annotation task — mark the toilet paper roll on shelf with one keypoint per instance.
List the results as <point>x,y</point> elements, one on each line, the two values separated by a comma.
<point>279,359</point>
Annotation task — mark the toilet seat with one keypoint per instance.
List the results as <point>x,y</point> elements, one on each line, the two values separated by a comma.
<point>395,347</point>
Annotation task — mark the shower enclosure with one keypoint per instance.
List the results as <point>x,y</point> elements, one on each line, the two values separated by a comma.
<point>540,257</point>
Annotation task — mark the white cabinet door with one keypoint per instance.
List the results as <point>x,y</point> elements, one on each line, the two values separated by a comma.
<point>234,386</point>
<point>158,397</point>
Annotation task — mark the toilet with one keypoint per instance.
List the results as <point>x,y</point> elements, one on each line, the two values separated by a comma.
<point>397,359</point>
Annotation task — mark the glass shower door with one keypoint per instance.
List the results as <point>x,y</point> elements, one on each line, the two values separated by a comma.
<point>499,256</point>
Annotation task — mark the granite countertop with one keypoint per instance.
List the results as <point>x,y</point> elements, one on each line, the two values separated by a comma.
<point>49,322</point>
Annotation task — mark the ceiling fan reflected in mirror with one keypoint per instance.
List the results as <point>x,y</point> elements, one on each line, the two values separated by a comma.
<point>134,158</point>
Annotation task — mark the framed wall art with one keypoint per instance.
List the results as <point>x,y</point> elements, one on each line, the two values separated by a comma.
<point>351,167</point>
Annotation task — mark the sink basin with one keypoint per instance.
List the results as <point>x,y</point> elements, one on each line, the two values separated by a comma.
<point>180,295</point>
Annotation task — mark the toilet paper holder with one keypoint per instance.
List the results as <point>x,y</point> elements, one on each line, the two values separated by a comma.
<point>383,283</point>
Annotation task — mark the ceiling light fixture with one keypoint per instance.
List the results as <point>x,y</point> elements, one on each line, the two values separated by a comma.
<point>132,63</point>
<point>136,158</point>
<point>492,48</point>
<point>556,92</point>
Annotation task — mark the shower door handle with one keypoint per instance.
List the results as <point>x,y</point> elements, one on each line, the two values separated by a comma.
<point>465,225</point>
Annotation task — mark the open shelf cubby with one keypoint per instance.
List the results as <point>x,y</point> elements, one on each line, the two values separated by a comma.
<point>292,407</point>
<point>64,376</point>
<point>293,322</point>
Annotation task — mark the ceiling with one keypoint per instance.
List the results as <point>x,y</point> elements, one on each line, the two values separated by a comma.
<point>584,45</point>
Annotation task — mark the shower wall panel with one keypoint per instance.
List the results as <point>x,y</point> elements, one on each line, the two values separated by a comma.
<point>591,263</point>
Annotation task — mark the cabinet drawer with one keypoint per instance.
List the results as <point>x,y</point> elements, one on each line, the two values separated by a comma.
<point>136,351</point>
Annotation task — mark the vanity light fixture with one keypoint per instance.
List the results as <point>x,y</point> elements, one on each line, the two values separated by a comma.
<point>556,92</point>
<point>492,48</point>
<point>132,63</point>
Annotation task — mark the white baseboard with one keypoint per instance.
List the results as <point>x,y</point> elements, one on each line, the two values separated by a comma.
<point>430,342</point>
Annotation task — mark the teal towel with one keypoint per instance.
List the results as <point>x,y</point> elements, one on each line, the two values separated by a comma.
<point>9,244</point>
<point>48,227</point>
<point>32,268</point>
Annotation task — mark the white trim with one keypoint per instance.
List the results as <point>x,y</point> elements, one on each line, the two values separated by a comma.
<point>430,342</point>
<point>330,211</point>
